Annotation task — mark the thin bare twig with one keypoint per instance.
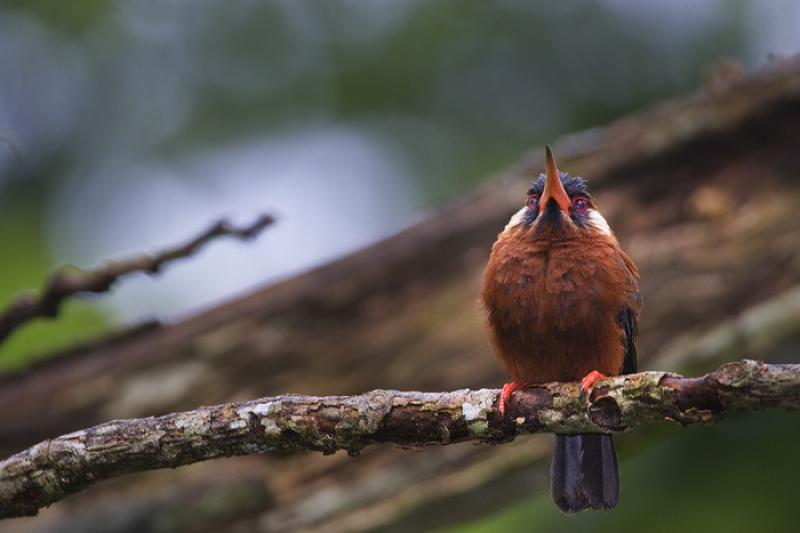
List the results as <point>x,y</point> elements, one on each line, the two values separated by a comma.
<point>67,281</point>
<point>56,468</point>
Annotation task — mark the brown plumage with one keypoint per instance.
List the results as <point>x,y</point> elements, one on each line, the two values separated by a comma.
<point>562,301</point>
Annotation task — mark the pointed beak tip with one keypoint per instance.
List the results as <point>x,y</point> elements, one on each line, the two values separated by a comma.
<point>553,187</point>
<point>550,161</point>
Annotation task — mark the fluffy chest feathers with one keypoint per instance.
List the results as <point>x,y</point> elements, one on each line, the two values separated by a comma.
<point>553,307</point>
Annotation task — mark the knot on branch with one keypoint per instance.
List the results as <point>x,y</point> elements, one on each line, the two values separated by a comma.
<point>606,413</point>
<point>737,383</point>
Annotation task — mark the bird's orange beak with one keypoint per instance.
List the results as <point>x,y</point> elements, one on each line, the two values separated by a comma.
<point>553,188</point>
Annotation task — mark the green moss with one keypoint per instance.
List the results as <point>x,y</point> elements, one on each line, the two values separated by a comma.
<point>478,429</point>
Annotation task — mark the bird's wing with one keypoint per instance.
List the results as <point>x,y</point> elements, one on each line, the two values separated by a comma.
<point>629,316</point>
<point>630,326</point>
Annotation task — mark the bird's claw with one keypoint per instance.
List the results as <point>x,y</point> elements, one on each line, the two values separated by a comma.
<point>588,380</point>
<point>505,396</point>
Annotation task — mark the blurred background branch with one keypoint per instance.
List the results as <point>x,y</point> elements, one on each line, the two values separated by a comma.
<point>68,281</point>
<point>56,468</point>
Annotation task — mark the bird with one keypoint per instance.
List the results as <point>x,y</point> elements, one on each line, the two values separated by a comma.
<point>562,303</point>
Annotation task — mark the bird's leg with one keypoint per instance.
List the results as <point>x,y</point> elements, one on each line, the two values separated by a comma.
<point>505,395</point>
<point>589,379</point>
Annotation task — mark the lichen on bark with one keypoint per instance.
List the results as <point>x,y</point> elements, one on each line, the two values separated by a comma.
<point>51,470</point>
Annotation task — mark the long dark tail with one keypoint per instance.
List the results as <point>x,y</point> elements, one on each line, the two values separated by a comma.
<point>584,473</point>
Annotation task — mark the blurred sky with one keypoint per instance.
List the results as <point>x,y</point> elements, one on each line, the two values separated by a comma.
<point>128,125</point>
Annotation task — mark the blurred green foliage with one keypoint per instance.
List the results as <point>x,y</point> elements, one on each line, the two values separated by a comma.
<point>68,17</point>
<point>26,265</point>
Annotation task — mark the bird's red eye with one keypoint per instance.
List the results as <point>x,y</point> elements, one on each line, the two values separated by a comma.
<point>533,200</point>
<point>581,205</point>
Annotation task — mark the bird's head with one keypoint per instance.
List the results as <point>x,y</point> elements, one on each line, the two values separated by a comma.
<point>558,207</point>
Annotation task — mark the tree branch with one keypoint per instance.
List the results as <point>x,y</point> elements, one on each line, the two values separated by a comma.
<point>67,281</point>
<point>53,469</point>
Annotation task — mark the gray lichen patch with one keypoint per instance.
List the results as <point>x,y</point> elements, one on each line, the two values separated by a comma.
<point>475,409</point>
<point>478,404</point>
<point>266,408</point>
<point>103,429</point>
<point>193,422</point>
<point>75,435</point>
<point>75,445</point>
<point>271,429</point>
<point>471,411</point>
<point>238,424</point>
<point>643,385</point>
<point>264,413</point>
<point>261,409</point>
<point>563,421</point>
<point>373,407</point>
<point>641,397</point>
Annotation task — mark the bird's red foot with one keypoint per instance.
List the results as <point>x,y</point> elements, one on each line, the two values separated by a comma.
<point>505,396</point>
<point>589,379</point>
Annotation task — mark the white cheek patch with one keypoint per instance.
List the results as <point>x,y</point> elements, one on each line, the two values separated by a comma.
<point>597,221</point>
<point>517,219</point>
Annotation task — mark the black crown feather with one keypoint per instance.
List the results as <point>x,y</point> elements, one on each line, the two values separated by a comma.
<point>574,185</point>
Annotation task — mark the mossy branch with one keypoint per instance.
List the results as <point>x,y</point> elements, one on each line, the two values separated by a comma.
<point>56,468</point>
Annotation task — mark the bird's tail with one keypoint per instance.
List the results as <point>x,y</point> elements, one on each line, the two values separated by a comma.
<point>584,473</point>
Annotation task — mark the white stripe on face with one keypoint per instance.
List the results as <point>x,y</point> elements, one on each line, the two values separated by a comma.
<point>597,221</point>
<point>517,219</point>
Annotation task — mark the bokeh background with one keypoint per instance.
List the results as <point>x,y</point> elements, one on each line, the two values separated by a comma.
<point>129,125</point>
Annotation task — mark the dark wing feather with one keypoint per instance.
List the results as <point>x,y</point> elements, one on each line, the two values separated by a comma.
<point>630,331</point>
<point>629,315</point>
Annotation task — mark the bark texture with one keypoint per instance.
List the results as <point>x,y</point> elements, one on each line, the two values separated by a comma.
<point>703,194</point>
<point>58,467</point>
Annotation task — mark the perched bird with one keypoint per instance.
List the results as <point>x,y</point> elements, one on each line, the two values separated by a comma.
<point>562,303</point>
